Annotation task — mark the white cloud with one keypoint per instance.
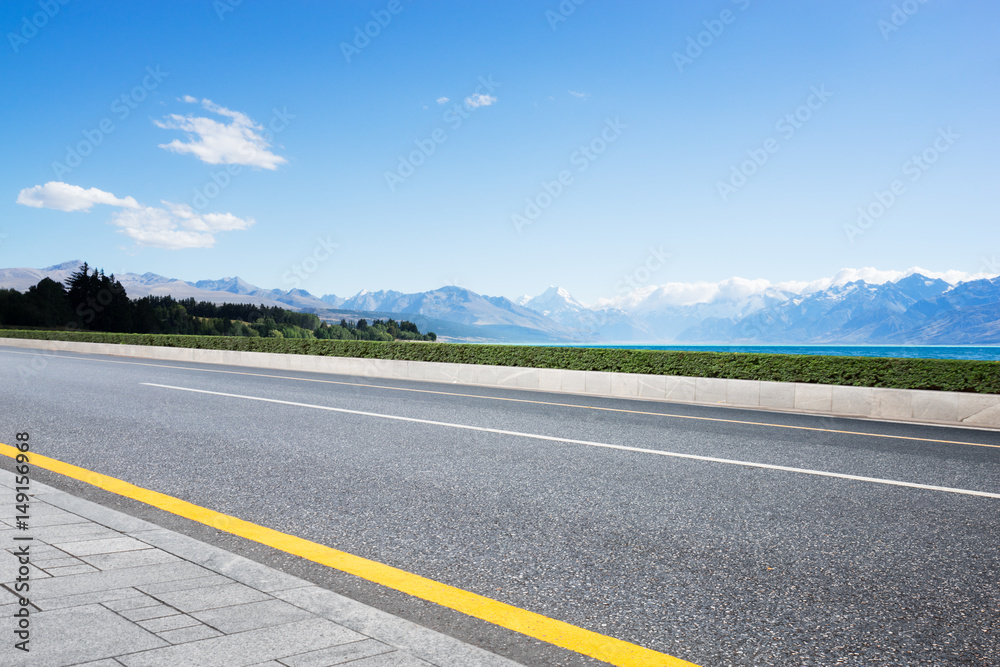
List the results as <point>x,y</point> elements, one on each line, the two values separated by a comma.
<point>443,100</point>
<point>238,141</point>
<point>479,100</point>
<point>66,197</point>
<point>582,96</point>
<point>175,227</point>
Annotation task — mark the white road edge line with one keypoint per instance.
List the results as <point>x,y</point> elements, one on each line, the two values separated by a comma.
<point>641,450</point>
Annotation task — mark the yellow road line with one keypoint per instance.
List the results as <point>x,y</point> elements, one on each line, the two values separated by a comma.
<point>550,403</point>
<point>543,628</point>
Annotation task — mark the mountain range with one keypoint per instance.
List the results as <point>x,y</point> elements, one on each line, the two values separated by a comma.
<point>914,309</point>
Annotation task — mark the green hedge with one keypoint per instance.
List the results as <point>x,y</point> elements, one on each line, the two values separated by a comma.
<point>938,374</point>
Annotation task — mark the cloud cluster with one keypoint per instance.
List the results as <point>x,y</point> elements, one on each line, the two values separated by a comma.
<point>176,226</point>
<point>479,100</point>
<point>173,227</point>
<point>65,197</point>
<point>237,140</point>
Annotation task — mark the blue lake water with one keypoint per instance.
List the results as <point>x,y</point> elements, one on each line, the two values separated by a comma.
<point>988,353</point>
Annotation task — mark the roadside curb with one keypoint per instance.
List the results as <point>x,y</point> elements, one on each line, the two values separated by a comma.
<point>901,405</point>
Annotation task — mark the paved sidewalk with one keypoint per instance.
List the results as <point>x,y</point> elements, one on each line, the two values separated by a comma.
<point>108,590</point>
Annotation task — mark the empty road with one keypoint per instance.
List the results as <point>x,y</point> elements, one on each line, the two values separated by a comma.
<point>720,536</point>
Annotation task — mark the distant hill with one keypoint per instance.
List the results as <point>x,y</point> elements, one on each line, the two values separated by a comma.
<point>916,309</point>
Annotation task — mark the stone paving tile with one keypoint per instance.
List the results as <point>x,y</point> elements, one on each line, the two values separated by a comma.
<point>392,660</point>
<point>82,568</point>
<point>55,519</point>
<point>241,569</point>
<point>124,559</point>
<point>56,562</point>
<point>169,623</point>
<point>434,647</point>
<point>133,577</point>
<point>44,551</point>
<point>135,602</point>
<point>245,647</point>
<point>337,655</point>
<point>207,579</point>
<point>146,613</point>
<point>198,599</point>
<point>37,573</point>
<point>106,546</point>
<point>72,532</point>
<point>84,634</point>
<point>190,634</point>
<point>108,662</point>
<point>38,510</point>
<point>104,516</point>
<point>85,598</point>
<point>243,617</point>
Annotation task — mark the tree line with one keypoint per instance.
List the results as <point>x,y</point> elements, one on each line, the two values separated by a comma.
<point>93,301</point>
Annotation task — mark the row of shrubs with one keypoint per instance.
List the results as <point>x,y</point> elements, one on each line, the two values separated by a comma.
<point>936,374</point>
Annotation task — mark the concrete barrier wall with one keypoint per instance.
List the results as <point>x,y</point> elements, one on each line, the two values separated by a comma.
<point>935,407</point>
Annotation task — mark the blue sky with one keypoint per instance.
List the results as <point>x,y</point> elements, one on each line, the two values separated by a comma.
<point>741,138</point>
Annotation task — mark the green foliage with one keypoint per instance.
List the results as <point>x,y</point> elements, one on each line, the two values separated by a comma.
<point>97,302</point>
<point>935,374</point>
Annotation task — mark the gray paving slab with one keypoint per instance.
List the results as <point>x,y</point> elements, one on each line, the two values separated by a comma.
<point>169,623</point>
<point>71,636</point>
<point>189,634</point>
<point>397,659</point>
<point>146,613</point>
<point>125,559</point>
<point>101,546</point>
<point>198,599</point>
<point>218,560</point>
<point>420,641</point>
<point>201,581</point>
<point>338,655</point>
<point>244,617</point>
<point>94,512</point>
<point>112,579</point>
<point>82,599</point>
<point>245,648</point>
<point>67,570</point>
<point>136,602</point>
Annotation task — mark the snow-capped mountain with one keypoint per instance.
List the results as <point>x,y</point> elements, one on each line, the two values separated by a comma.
<point>914,310</point>
<point>861,306</point>
<point>593,324</point>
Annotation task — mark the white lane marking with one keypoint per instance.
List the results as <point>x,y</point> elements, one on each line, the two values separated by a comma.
<point>641,450</point>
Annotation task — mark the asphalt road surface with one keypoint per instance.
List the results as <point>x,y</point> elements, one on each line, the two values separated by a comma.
<point>716,562</point>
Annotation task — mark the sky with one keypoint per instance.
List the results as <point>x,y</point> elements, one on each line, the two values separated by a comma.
<point>504,147</point>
